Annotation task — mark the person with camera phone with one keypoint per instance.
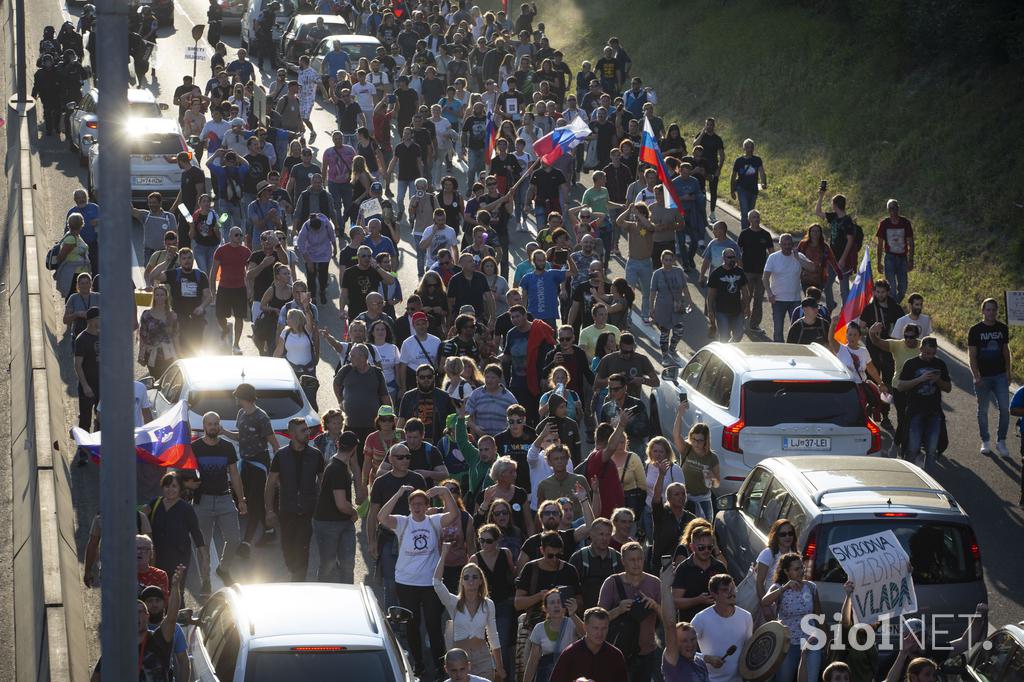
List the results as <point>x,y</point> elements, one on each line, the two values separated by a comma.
<point>560,628</point>
<point>632,600</point>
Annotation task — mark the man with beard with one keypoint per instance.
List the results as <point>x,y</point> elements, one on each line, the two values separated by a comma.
<point>190,297</point>
<point>549,515</point>
<point>359,281</point>
<point>427,403</point>
<point>153,598</point>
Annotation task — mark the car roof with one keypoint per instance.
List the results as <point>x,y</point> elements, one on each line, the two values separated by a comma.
<point>302,19</point>
<point>836,483</point>
<point>274,610</point>
<point>754,357</point>
<point>155,125</point>
<point>351,39</point>
<point>222,372</point>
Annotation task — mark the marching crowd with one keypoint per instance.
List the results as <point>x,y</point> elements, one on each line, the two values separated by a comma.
<point>489,436</point>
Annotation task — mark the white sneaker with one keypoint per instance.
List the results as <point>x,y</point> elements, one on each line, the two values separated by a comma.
<point>1001,448</point>
<point>713,216</point>
<point>985,448</point>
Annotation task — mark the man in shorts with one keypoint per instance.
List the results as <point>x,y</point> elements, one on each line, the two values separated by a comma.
<point>228,285</point>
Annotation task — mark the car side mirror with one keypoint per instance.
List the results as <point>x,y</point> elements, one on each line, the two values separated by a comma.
<point>185,617</point>
<point>954,666</point>
<point>164,106</point>
<point>149,382</point>
<point>399,616</point>
<point>725,503</point>
<point>670,373</point>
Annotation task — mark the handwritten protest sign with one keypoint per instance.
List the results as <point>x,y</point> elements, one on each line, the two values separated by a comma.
<point>880,570</point>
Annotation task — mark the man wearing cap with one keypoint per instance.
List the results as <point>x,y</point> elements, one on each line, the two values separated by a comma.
<point>420,349</point>
<point>335,514</point>
<point>254,435</point>
<point>337,164</point>
<point>87,368</point>
<point>289,110</point>
<point>237,139</point>
<point>153,597</point>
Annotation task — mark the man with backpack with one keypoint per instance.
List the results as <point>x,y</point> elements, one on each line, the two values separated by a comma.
<point>845,239</point>
<point>156,222</point>
<point>596,562</point>
<point>632,599</point>
<point>228,171</point>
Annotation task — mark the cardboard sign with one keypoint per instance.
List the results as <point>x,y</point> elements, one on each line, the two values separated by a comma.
<point>1015,307</point>
<point>879,568</point>
<point>371,208</point>
<point>195,54</point>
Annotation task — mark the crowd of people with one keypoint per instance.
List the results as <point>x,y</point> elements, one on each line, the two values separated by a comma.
<point>489,436</point>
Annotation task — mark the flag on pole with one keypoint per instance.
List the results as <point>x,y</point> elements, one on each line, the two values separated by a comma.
<point>561,141</point>
<point>491,137</point>
<point>166,441</point>
<point>650,153</point>
<point>861,291</point>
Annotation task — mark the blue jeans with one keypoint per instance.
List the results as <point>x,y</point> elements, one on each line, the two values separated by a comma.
<point>790,664</point>
<point>995,387</point>
<point>421,254</point>
<point>204,257</point>
<point>475,164</point>
<point>336,543</point>
<point>748,200</point>
<point>506,621</point>
<point>844,289</point>
<point>730,327</point>
<point>896,273</point>
<point>387,559</point>
<point>638,274</point>
<point>403,188</point>
<point>923,429</point>
<point>780,313</point>
<point>341,192</point>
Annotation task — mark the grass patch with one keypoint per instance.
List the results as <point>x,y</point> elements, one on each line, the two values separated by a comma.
<point>823,101</point>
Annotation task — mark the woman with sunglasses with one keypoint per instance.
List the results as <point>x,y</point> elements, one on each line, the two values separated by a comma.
<point>500,515</point>
<point>781,540</point>
<point>795,598</point>
<point>698,462</point>
<point>498,567</point>
<point>432,293</point>
<point>473,627</point>
<point>622,524</point>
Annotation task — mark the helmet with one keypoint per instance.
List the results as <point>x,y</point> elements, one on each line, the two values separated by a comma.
<point>146,9</point>
<point>89,8</point>
<point>70,56</point>
<point>46,59</point>
<point>49,31</point>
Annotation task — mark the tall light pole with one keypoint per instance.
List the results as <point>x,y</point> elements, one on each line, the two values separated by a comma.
<point>119,629</point>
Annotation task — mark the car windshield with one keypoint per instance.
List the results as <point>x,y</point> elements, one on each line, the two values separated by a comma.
<point>143,110</point>
<point>156,144</point>
<point>272,666</point>
<point>940,553</point>
<point>278,404</point>
<point>768,403</point>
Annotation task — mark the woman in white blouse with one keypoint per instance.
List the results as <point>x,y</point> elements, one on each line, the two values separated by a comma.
<point>473,625</point>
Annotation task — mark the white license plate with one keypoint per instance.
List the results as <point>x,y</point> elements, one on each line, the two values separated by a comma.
<point>806,443</point>
<point>146,180</point>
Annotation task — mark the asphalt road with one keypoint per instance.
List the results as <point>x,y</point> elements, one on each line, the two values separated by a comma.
<point>987,487</point>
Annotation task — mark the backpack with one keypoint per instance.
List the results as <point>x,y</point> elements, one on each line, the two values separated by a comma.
<point>858,236</point>
<point>585,562</point>
<point>53,260</point>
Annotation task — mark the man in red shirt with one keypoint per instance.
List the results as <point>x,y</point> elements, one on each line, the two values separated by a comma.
<point>895,238</point>
<point>601,467</point>
<point>148,575</point>
<point>228,284</point>
<point>591,658</point>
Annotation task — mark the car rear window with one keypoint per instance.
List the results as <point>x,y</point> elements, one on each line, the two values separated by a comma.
<point>273,666</point>
<point>279,404</point>
<point>768,403</point>
<point>143,110</point>
<point>156,144</point>
<point>941,553</point>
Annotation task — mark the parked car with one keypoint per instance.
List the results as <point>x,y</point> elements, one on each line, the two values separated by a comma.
<point>296,631</point>
<point>301,36</point>
<point>1000,658</point>
<point>765,400</point>
<point>253,11</point>
<point>232,15</point>
<point>153,146</point>
<point>81,121</point>
<point>163,10</point>
<point>208,383</point>
<point>357,47</point>
<point>832,499</point>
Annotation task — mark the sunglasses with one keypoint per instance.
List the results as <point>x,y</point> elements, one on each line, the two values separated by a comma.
<point>616,388</point>
<point>702,548</point>
<point>910,336</point>
<point>516,421</point>
<point>500,512</point>
<point>549,557</point>
<point>786,534</point>
<point>428,377</point>
<point>551,512</point>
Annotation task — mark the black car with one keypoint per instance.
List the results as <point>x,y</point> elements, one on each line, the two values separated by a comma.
<point>1000,658</point>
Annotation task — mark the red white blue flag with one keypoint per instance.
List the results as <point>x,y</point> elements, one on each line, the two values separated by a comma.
<point>861,291</point>
<point>650,153</point>
<point>561,141</point>
<point>166,441</point>
<point>492,139</point>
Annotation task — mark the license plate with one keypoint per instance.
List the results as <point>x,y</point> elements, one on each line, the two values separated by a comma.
<point>145,180</point>
<point>806,443</point>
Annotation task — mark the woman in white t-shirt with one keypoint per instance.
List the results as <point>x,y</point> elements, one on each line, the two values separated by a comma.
<point>794,598</point>
<point>855,357</point>
<point>419,546</point>
<point>781,540</point>
<point>387,355</point>
<point>296,344</point>
<point>549,638</point>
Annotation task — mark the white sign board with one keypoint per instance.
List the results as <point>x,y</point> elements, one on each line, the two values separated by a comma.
<point>880,570</point>
<point>1015,307</point>
<point>371,207</point>
<point>195,54</point>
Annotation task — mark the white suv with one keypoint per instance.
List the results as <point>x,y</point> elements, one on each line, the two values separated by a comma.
<point>207,383</point>
<point>296,631</point>
<point>767,400</point>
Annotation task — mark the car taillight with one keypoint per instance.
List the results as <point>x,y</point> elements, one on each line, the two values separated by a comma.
<point>975,550</point>
<point>810,553</point>
<point>316,649</point>
<point>895,515</point>
<point>876,436</point>
<point>731,437</point>
<point>92,125</point>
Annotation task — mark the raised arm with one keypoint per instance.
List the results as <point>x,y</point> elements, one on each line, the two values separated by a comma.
<point>384,516</point>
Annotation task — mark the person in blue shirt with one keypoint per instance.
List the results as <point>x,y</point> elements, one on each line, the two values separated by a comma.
<point>377,241</point>
<point>636,97</point>
<point>334,61</point>
<point>540,288</point>
<point>228,171</point>
<point>242,70</point>
<point>90,213</point>
<point>153,597</point>
<point>1017,410</point>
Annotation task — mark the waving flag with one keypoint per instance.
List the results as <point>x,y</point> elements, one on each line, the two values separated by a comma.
<point>861,291</point>
<point>650,153</point>
<point>561,141</point>
<point>166,441</point>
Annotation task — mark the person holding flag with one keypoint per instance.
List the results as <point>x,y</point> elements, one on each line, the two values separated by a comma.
<point>165,442</point>
<point>861,291</point>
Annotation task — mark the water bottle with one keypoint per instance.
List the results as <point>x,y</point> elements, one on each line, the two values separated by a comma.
<point>560,390</point>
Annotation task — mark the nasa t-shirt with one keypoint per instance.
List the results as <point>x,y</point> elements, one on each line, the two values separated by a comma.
<point>989,339</point>
<point>729,285</point>
<point>418,551</point>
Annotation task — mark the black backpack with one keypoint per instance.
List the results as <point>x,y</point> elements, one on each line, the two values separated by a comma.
<point>858,236</point>
<point>624,631</point>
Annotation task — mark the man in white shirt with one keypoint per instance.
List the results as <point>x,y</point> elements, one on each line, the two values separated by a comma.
<point>438,236</point>
<point>143,406</point>
<point>445,139</point>
<point>364,93</point>
<point>457,665</point>
<point>419,349</point>
<point>923,322</point>
<point>782,282</point>
<point>721,627</point>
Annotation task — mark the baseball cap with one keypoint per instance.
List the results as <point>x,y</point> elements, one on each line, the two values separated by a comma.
<point>385,411</point>
<point>416,317</point>
<point>151,592</point>
<point>347,441</point>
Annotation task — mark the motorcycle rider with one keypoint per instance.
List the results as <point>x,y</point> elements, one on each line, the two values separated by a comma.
<point>46,86</point>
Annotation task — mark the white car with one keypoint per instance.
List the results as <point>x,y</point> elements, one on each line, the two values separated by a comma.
<point>357,46</point>
<point>154,145</point>
<point>82,127</point>
<point>207,383</point>
<point>766,400</point>
<point>253,10</point>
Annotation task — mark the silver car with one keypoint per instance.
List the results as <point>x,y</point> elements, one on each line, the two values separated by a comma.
<point>82,124</point>
<point>834,499</point>
<point>314,632</point>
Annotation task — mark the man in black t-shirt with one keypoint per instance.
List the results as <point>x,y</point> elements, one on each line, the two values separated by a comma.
<point>755,244</point>
<point>407,101</point>
<point>842,241</point>
<point>988,343</point>
<point>260,271</point>
<point>690,584</point>
<point>335,515</point>
<point>359,281</point>
<point>295,474</point>
<point>347,115</point>
<point>474,139</point>
<point>545,192</point>
<point>193,184</point>
<point>714,155</point>
<point>87,367</point>
<point>549,518</point>
<point>728,299</point>
<point>747,170</point>
<point>424,408</point>
<point>469,287</point>
<point>408,158</point>
<point>540,575</point>
<point>923,380</point>
<point>219,478</point>
<point>810,328</point>
<point>190,297</point>
<point>515,442</point>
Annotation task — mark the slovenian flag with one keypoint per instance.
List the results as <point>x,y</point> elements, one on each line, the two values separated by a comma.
<point>650,153</point>
<point>561,141</point>
<point>860,294</point>
<point>492,138</point>
<point>166,441</point>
